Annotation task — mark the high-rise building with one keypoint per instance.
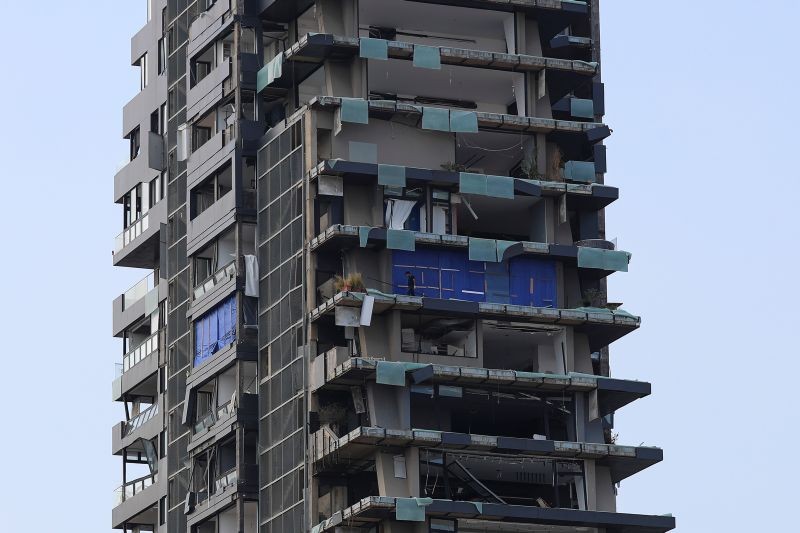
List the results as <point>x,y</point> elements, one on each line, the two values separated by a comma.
<point>374,239</point>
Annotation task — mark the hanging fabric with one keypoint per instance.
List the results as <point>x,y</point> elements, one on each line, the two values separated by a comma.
<point>397,212</point>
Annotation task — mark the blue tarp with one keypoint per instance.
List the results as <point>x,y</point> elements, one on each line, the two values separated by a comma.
<point>215,330</point>
<point>450,274</point>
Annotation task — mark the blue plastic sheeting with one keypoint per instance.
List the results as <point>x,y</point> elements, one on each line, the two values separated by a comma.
<point>500,187</point>
<point>482,250</point>
<point>363,235</point>
<point>450,274</point>
<point>463,121</point>
<point>579,171</point>
<point>215,330</point>
<point>398,239</point>
<point>581,108</point>
<point>469,183</point>
<point>411,509</point>
<point>434,118</point>
<point>427,57</point>
<point>392,175</point>
<point>363,152</point>
<point>439,274</point>
<point>355,110</point>
<point>389,373</point>
<point>271,72</point>
<point>613,260</point>
<point>533,282</point>
<point>373,48</point>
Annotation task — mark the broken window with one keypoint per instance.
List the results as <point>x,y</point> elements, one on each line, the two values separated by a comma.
<point>504,479</point>
<point>214,258</point>
<point>523,347</point>
<point>432,335</point>
<point>135,143</point>
<point>211,190</point>
<point>493,411</point>
<point>143,71</point>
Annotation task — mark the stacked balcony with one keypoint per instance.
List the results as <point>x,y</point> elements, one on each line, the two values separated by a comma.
<point>453,187</point>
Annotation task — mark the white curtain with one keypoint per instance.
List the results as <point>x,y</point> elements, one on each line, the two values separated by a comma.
<point>397,212</point>
<point>439,220</point>
<point>251,275</point>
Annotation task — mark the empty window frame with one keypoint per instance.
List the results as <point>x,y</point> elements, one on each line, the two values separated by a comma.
<point>214,257</point>
<point>432,335</point>
<point>211,190</point>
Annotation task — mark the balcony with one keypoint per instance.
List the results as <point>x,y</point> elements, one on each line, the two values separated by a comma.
<point>137,501</point>
<point>371,510</point>
<point>143,168</point>
<point>132,488</point>
<point>140,420</point>
<point>220,277</point>
<point>601,326</point>
<point>138,245</point>
<point>140,353</point>
<point>138,366</point>
<point>139,301</point>
<point>146,425</point>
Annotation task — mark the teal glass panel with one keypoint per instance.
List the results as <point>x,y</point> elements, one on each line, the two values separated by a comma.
<point>434,118</point>
<point>392,175</point>
<point>427,57</point>
<point>373,48</point>
<point>463,121</point>
<point>355,110</point>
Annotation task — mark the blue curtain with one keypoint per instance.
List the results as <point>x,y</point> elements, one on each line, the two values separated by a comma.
<point>215,330</point>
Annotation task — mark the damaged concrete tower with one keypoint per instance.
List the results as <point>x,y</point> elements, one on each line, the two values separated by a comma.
<point>376,253</point>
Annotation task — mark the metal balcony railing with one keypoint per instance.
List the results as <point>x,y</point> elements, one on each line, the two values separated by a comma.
<point>226,480</point>
<point>130,359</point>
<point>210,418</point>
<point>132,488</point>
<point>141,225</point>
<point>141,419</point>
<point>217,278</point>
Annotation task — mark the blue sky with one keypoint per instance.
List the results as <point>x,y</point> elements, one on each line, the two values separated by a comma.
<point>700,98</point>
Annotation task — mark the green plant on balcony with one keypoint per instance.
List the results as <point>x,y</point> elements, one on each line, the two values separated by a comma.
<point>350,283</point>
<point>530,167</point>
<point>453,167</point>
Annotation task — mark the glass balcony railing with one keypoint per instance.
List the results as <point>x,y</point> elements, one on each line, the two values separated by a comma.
<point>217,278</point>
<point>131,232</point>
<point>150,345</point>
<point>138,291</point>
<point>132,488</point>
<point>140,419</point>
